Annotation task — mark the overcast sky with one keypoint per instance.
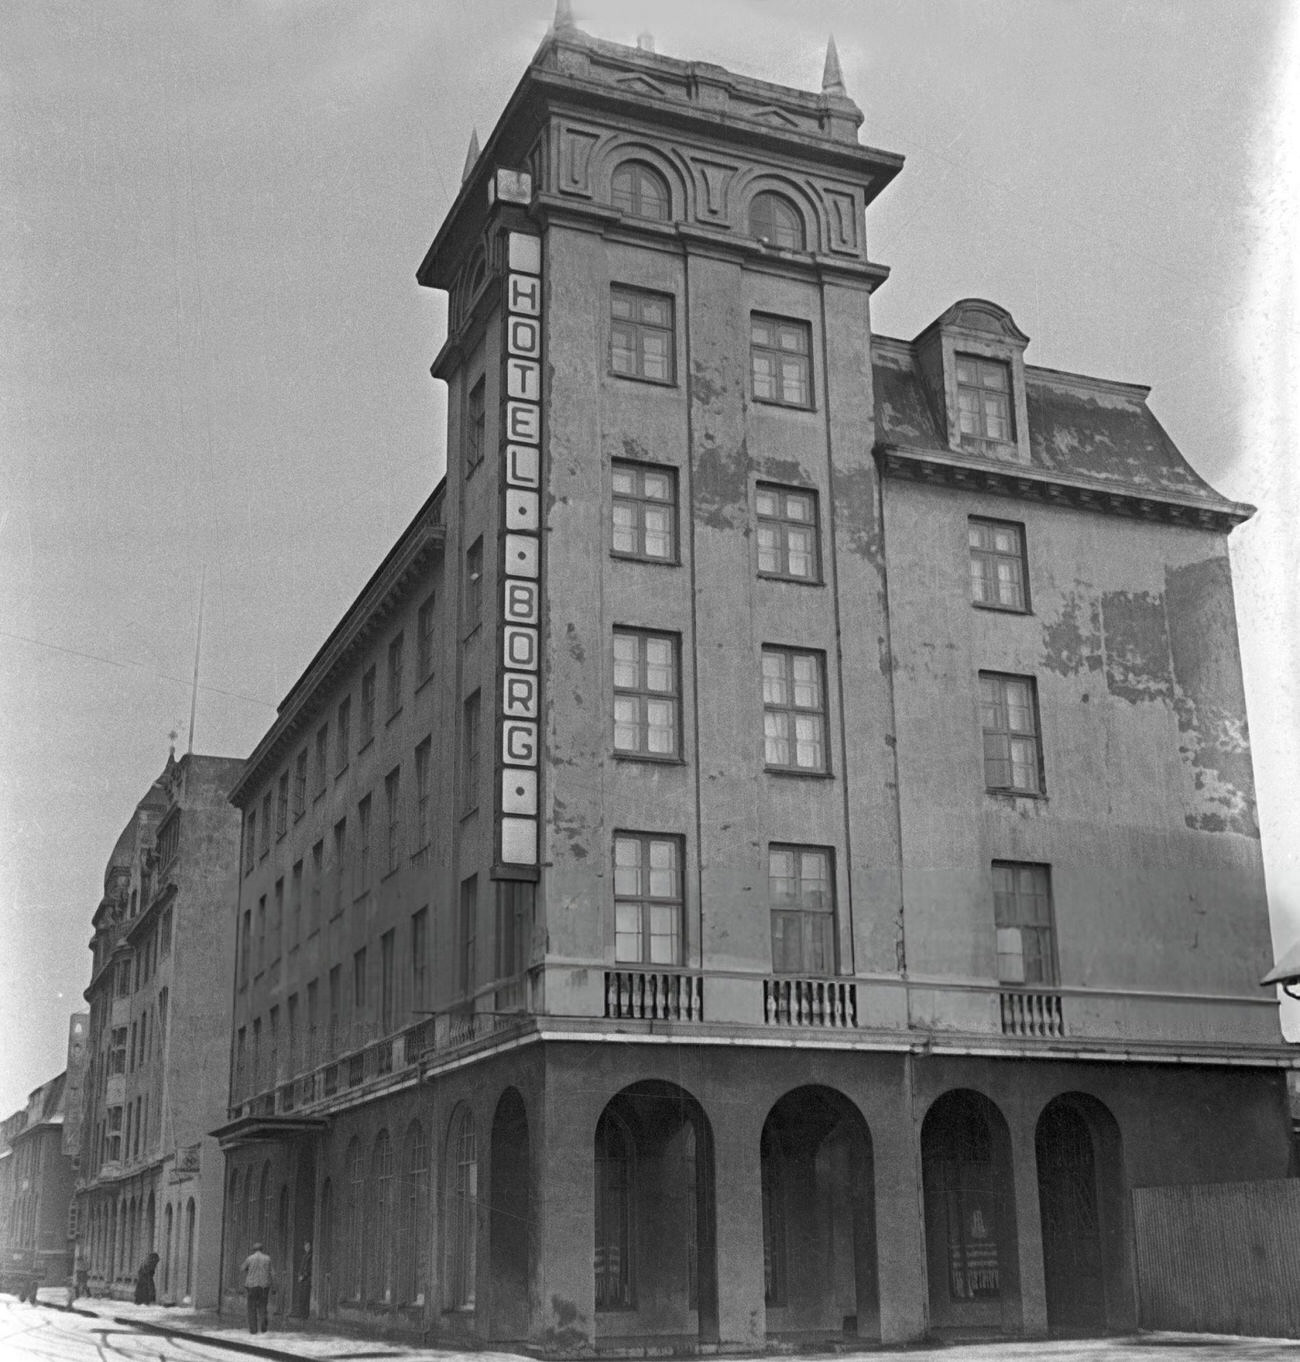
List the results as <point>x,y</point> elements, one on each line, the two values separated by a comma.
<point>213,351</point>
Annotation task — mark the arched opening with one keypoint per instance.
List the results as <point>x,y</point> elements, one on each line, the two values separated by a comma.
<point>970,1216</point>
<point>189,1251</point>
<point>655,1258</point>
<point>265,1222</point>
<point>250,1216</point>
<point>413,1256</point>
<point>325,1237</point>
<point>167,1251</point>
<point>379,1221</point>
<point>510,1219</point>
<point>775,221</point>
<point>1081,1203</point>
<point>280,1254</point>
<point>350,1267</point>
<point>234,1231</point>
<point>150,1234</point>
<point>819,1220</point>
<point>461,1211</point>
<point>641,191</point>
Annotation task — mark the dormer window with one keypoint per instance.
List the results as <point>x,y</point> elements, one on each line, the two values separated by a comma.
<point>641,192</point>
<point>775,221</point>
<point>984,404</point>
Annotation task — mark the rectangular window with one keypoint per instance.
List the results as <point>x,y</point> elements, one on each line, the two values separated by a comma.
<point>984,404</point>
<point>273,1047</point>
<point>998,575</point>
<point>124,979</point>
<point>646,694</point>
<point>780,360</point>
<point>641,334</point>
<point>794,711</point>
<point>393,799</point>
<point>317,876</point>
<point>395,650</point>
<point>165,933</point>
<point>313,1054</point>
<point>250,840</point>
<point>424,642</point>
<point>322,757</point>
<point>257,1055</point>
<point>114,1143</point>
<point>469,763</point>
<point>169,840</point>
<point>1013,758</point>
<point>340,863</point>
<point>358,984</point>
<point>295,905</point>
<point>277,922</point>
<point>514,927</point>
<point>467,930</point>
<point>387,1000</point>
<point>1022,911</point>
<point>475,426</point>
<point>419,962</point>
<point>801,895</point>
<point>473,586</point>
<point>647,898</point>
<point>367,707</point>
<point>300,784</point>
<point>343,734</point>
<point>293,1035</point>
<point>259,951</point>
<point>241,1060</point>
<point>117,1057</point>
<point>787,533</point>
<point>645,512</point>
<point>363,850</point>
<point>245,937</point>
<point>265,844</point>
<point>423,753</point>
<point>335,1005</point>
<point>282,805</point>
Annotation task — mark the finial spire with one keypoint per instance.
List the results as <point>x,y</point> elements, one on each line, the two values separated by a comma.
<point>471,156</point>
<point>832,76</point>
<point>563,16</point>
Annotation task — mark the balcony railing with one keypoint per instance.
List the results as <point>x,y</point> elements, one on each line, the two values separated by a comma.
<point>810,1002</point>
<point>651,995</point>
<point>1032,1014</point>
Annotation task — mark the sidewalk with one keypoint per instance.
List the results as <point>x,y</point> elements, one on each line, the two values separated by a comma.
<point>291,1344</point>
<point>299,1344</point>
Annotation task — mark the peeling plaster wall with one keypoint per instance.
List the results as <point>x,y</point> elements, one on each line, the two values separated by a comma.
<point>1148,821</point>
<point>719,799</point>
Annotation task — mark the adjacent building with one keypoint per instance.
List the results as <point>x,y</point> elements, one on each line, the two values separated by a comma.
<point>771,853</point>
<point>159,995</point>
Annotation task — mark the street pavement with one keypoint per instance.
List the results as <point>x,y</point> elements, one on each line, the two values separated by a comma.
<point>117,1331</point>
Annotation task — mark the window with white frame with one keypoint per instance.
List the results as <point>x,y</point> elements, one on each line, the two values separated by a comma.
<point>1013,759</point>
<point>794,711</point>
<point>647,898</point>
<point>1022,911</point>
<point>646,694</point>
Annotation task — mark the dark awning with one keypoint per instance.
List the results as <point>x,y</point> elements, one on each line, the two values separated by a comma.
<point>264,1129</point>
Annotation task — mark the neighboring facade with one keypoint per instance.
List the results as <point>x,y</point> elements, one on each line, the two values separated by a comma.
<point>37,1177</point>
<point>159,995</point>
<point>840,885</point>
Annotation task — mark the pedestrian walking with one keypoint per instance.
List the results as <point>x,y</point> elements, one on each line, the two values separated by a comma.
<point>258,1280</point>
<point>80,1275</point>
<point>145,1294</point>
<point>302,1295</point>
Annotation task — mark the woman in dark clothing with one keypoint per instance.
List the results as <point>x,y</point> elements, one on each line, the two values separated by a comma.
<point>144,1288</point>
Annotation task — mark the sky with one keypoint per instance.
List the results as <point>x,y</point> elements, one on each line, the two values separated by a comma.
<point>214,357</point>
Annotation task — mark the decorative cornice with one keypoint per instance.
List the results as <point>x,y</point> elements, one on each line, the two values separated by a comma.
<point>1027,483</point>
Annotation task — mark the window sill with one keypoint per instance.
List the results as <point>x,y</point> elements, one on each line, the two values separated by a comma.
<point>644,378</point>
<point>465,638</point>
<point>341,771</point>
<point>318,796</point>
<point>649,758</point>
<point>783,406</point>
<point>420,685</point>
<point>388,874</point>
<point>368,742</point>
<point>794,581</point>
<point>396,714</point>
<point>799,772</point>
<point>1017,794</point>
<point>1002,609</point>
<point>644,558</point>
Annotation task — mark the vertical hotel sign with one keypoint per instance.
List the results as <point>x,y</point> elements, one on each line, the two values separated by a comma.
<point>521,554</point>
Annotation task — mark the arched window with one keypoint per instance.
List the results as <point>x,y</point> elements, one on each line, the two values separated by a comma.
<point>325,1248</point>
<point>641,192</point>
<point>413,1253</point>
<point>462,1212</point>
<point>613,1256</point>
<point>250,1212</point>
<point>264,1208</point>
<point>960,1176</point>
<point>379,1254</point>
<point>351,1280</point>
<point>189,1249</point>
<point>167,1250</point>
<point>774,220</point>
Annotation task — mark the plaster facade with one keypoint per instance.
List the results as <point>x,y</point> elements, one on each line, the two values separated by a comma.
<point>771,661</point>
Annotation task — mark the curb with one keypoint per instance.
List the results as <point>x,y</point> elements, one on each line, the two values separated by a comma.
<point>189,1335</point>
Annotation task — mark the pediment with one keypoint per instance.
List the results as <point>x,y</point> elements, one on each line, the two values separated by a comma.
<point>640,85</point>
<point>778,118</point>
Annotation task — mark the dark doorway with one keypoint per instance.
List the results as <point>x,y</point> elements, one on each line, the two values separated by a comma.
<point>510,1222</point>
<point>819,1224</point>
